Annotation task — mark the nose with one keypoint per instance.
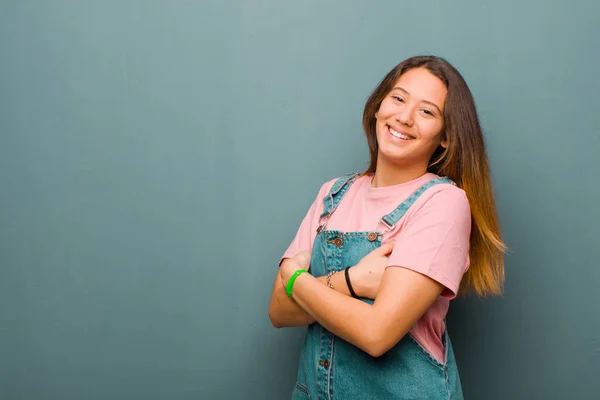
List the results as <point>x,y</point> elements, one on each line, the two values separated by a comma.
<point>405,116</point>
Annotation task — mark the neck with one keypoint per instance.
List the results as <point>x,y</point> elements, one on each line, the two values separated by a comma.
<point>389,174</point>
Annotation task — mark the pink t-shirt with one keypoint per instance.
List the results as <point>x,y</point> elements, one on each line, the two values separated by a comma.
<point>432,238</point>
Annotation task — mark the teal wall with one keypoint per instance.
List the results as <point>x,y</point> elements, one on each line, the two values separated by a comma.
<point>156,158</point>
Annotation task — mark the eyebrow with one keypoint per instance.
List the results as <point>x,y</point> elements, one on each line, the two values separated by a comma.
<point>424,101</point>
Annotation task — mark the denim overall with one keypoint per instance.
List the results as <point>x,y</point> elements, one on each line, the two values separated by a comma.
<point>331,368</point>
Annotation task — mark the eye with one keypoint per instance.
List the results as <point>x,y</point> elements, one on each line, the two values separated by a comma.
<point>428,112</point>
<point>398,98</point>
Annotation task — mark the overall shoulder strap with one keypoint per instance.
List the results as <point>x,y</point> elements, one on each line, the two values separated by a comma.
<point>392,218</point>
<point>337,192</point>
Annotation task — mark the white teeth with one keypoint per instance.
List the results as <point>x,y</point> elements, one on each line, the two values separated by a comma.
<point>400,135</point>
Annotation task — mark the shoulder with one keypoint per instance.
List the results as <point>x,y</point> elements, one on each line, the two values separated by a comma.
<point>444,200</point>
<point>337,183</point>
<point>449,195</point>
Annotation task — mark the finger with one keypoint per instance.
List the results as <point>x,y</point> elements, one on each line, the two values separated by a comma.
<point>386,248</point>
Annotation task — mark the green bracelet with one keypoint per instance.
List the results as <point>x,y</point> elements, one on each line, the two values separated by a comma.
<point>290,284</point>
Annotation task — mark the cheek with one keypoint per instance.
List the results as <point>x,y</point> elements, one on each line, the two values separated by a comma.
<point>434,130</point>
<point>385,110</point>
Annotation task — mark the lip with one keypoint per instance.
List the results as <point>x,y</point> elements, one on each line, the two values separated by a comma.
<point>389,127</point>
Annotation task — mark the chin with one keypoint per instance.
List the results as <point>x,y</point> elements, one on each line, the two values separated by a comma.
<point>392,157</point>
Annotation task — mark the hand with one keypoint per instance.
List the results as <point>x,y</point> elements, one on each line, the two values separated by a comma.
<point>366,275</point>
<point>291,265</point>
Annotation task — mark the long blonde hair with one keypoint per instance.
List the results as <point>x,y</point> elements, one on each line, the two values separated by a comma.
<point>464,161</point>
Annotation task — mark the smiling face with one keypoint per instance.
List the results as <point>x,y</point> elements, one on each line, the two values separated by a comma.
<point>410,120</point>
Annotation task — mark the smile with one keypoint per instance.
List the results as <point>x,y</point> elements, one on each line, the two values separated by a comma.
<point>399,135</point>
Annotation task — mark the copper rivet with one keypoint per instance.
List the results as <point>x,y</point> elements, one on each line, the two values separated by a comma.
<point>372,236</point>
<point>338,242</point>
<point>326,364</point>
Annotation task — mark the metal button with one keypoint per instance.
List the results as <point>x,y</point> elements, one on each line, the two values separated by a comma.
<point>338,242</point>
<point>372,236</point>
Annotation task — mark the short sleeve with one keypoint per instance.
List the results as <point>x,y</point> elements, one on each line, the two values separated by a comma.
<point>305,236</point>
<point>435,240</point>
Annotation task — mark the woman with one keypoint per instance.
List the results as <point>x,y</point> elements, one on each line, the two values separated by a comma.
<point>392,246</point>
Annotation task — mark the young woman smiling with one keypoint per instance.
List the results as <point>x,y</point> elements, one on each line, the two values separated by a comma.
<point>386,250</point>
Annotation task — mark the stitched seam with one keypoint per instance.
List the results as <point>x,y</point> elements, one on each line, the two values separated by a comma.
<point>339,193</point>
<point>319,356</point>
<point>330,368</point>
<point>303,389</point>
<point>447,383</point>
<point>339,196</point>
<point>426,354</point>
<point>411,200</point>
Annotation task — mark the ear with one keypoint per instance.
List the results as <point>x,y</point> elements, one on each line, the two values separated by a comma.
<point>376,116</point>
<point>444,143</point>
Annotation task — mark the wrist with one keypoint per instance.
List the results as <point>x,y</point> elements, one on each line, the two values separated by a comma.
<point>289,286</point>
<point>287,270</point>
<point>352,282</point>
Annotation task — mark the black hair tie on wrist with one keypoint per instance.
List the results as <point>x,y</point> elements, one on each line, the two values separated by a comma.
<point>347,275</point>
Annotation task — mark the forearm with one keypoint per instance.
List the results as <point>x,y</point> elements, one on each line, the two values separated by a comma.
<point>285,312</point>
<point>403,297</point>
<point>351,319</point>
